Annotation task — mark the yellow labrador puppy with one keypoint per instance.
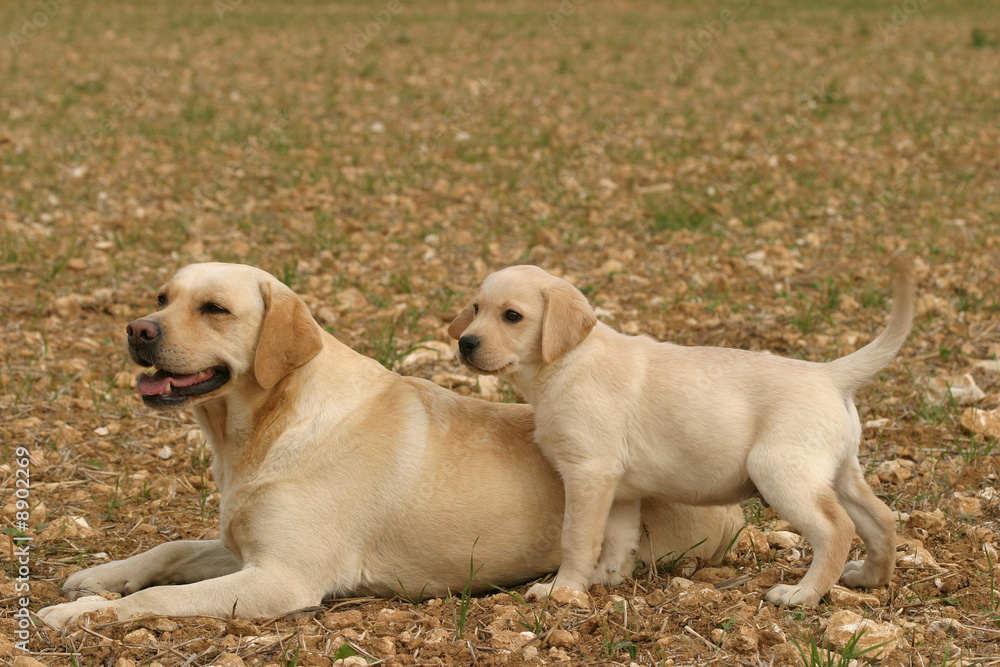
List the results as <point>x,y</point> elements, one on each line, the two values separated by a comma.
<point>337,476</point>
<point>624,418</point>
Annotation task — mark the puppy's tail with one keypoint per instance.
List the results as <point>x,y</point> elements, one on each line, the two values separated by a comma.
<point>855,369</point>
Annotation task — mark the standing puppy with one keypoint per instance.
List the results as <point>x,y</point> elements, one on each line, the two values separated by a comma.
<point>624,418</point>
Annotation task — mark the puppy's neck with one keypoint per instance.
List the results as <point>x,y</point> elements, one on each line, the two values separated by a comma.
<point>536,380</point>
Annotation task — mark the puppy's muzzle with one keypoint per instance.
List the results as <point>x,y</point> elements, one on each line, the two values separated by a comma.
<point>468,344</point>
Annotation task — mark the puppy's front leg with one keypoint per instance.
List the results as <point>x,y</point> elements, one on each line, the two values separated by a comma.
<point>621,542</point>
<point>589,496</point>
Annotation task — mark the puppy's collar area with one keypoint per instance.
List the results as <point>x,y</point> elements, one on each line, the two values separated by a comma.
<point>160,387</point>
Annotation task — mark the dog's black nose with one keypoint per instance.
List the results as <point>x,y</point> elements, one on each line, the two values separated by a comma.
<point>468,344</point>
<point>142,332</point>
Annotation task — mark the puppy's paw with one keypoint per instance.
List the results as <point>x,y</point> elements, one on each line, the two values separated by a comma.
<point>61,615</point>
<point>115,577</point>
<point>862,574</point>
<point>792,596</point>
<point>562,596</point>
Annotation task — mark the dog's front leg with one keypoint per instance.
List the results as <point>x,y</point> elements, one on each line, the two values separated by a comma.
<point>256,591</point>
<point>182,562</point>
<point>589,497</point>
<point>621,542</point>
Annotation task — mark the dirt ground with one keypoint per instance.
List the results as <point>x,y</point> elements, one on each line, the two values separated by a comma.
<point>731,173</point>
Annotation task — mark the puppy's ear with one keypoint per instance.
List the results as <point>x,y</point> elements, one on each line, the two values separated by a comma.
<point>464,319</point>
<point>289,337</point>
<point>567,320</point>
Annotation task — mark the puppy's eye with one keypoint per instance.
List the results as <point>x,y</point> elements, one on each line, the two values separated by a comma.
<point>512,316</point>
<point>475,309</point>
<point>161,300</point>
<point>214,309</point>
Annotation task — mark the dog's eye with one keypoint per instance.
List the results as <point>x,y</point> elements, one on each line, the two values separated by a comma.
<point>214,309</point>
<point>475,309</point>
<point>512,316</point>
<point>161,300</point>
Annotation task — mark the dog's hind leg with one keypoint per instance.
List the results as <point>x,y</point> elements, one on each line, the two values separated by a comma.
<point>874,523</point>
<point>809,502</point>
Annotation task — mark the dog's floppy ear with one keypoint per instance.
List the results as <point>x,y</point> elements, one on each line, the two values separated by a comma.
<point>464,319</point>
<point>567,320</point>
<point>289,337</point>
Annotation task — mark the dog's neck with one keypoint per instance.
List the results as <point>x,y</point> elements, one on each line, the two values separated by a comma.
<point>534,380</point>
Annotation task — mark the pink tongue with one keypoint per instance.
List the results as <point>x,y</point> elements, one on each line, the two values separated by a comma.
<point>152,385</point>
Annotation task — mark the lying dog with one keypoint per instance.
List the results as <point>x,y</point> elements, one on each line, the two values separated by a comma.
<point>337,476</point>
<point>625,418</point>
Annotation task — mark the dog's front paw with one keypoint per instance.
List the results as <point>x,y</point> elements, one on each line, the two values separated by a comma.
<point>114,577</point>
<point>562,595</point>
<point>792,596</point>
<point>862,574</point>
<point>61,615</point>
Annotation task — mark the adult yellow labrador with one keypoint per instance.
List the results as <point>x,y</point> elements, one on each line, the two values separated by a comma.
<point>337,476</point>
<point>625,418</point>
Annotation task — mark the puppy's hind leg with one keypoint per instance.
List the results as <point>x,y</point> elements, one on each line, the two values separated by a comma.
<point>621,543</point>
<point>874,523</point>
<point>810,504</point>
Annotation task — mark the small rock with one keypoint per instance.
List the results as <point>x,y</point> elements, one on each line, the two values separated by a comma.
<point>140,637</point>
<point>229,660</point>
<point>530,653</point>
<point>562,639</point>
<point>741,640</point>
<point>351,661</point>
<point>946,625</point>
<point>698,595</point>
<point>427,352</point>
<point>754,540</point>
<point>988,365</point>
<point>508,640</point>
<point>26,661</point>
<point>959,503</point>
<point>932,522</point>
<point>845,597</point>
<point>783,539</point>
<point>982,422</point>
<point>160,624</point>
<point>452,380</point>
<point>713,575</point>
<point>962,389</point>
<point>437,635</point>
<point>895,471</point>
<point>342,619</point>
<point>564,596</point>
<point>916,557</point>
<point>165,452</point>
<point>844,626</point>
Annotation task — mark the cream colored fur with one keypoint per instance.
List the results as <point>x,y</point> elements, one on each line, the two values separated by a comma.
<point>625,418</point>
<point>339,477</point>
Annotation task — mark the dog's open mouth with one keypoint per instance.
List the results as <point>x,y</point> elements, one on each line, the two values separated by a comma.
<point>163,388</point>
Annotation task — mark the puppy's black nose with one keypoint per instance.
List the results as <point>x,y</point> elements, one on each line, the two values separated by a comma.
<point>468,344</point>
<point>142,332</point>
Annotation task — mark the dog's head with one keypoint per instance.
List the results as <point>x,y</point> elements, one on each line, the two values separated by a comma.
<point>217,325</point>
<point>522,318</point>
